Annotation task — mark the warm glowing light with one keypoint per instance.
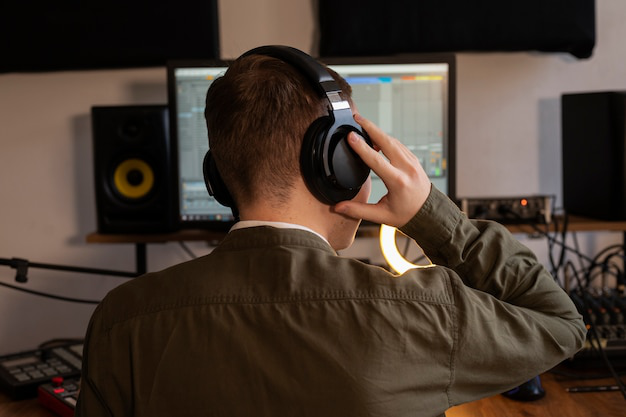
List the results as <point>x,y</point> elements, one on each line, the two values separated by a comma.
<point>524,202</point>
<point>391,253</point>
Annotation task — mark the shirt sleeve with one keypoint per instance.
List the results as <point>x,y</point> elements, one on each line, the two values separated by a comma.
<point>513,321</point>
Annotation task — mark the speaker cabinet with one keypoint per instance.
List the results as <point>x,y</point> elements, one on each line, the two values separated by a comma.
<point>594,158</point>
<point>133,180</point>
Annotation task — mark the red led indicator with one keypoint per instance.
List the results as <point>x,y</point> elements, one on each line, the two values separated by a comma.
<point>524,202</point>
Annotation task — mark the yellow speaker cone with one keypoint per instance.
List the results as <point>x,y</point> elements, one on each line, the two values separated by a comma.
<point>133,178</point>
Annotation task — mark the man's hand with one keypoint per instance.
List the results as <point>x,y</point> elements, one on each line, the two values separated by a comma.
<point>407,184</point>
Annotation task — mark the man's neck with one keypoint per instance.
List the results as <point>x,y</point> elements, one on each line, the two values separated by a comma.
<point>301,209</point>
<point>286,217</point>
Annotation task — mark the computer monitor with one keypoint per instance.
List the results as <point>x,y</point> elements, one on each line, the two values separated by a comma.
<point>410,97</point>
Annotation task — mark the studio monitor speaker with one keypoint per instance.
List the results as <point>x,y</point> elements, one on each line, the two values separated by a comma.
<point>133,180</point>
<point>594,158</point>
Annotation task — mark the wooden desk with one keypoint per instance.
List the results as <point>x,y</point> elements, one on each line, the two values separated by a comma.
<point>557,402</point>
<point>24,408</point>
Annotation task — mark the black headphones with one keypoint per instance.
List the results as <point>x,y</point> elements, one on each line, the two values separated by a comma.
<point>332,171</point>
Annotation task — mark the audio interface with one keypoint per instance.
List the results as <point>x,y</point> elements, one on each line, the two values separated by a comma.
<point>510,210</point>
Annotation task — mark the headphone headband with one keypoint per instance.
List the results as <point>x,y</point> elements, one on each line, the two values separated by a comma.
<point>315,72</point>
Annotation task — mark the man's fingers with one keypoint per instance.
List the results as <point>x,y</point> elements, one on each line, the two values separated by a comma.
<point>371,212</point>
<point>375,133</point>
<point>382,141</point>
<point>371,157</point>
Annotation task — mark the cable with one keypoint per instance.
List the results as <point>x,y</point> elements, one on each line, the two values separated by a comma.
<point>553,240</point>
<point>557,268</point>
<point>187,250</point>
<point>420,259</point>
<point>577,246</point>
<point>582,375</point>
<point>582,302</point>
<point>600,265</point>
<point>59,342</point>
<point>47,295</point>
<point>607,362</point>
<point>551,243</point>
<point>21,267</point>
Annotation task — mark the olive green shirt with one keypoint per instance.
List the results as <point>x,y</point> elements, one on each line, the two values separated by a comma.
<point>274,323</point>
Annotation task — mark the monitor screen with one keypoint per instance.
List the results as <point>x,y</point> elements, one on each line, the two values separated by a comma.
<point>412,99</point>
<point>188,82</point>
<point>409,97</point>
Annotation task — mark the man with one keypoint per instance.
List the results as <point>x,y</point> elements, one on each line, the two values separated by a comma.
<point>274,323</point>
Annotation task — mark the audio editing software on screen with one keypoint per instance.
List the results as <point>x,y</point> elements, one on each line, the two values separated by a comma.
<point>195,202</point>
<point>409,102</point>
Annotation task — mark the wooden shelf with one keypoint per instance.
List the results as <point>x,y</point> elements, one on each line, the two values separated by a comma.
<point>140,240</point>
<point>186,235</point>
<point>178,236</point>
<point>576,224</point>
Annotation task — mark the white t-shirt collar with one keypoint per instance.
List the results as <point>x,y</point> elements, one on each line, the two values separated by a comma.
<point>242,224</point>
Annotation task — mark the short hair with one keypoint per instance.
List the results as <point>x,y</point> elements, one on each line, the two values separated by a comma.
<point>257,114</point>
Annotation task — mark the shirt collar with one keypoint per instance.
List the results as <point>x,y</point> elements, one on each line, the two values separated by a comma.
<point>242,224</point>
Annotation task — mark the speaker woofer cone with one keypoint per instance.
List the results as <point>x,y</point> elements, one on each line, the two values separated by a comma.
<point>133,179</point>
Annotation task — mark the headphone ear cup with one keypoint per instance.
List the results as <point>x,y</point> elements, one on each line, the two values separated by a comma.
<point>330,168</point>
<point>311,159</point>
<point>214,183</point>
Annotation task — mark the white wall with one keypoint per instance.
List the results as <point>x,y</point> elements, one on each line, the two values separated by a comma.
<point>508,143</point>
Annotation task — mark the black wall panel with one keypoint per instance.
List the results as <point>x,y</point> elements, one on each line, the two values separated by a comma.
<point>40,35</point>
<point>368,27</point>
